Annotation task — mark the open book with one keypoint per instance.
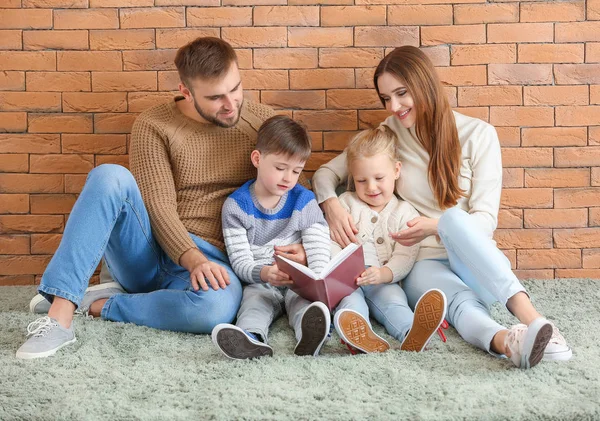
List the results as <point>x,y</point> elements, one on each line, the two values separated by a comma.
<point>336,281</point>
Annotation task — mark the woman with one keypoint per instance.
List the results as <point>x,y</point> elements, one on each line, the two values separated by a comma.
<point>452,174</point>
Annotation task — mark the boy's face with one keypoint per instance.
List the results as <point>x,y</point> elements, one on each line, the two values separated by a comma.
<point>277,173</point>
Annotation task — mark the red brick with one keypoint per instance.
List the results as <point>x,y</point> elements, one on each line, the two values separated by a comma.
<point>594,136</point>
<point>175,38</point>
<point>256,36</point>
<point>523,238</point>
<point>60,123</point>
<point>153,17</point>
<point>327,119</point>
<point>17,280</point>
<point>86,19</point>
<point>60,164</point>
<point>556,177</point>
<point>511,255</point>
<point>578,116</point>
<point>521,116</point>
<point>220,16</point>
<point>592,52</point>
<point>11,39</point>
<point>578,273</point>
<point>593,9</point>
<point>352,99</point>
<point>417,15</point>
<point>553,11</point>
<point>23,265</point>
<point>573,74</point>
<point>451,92</point>
<point>74,183</point>
<point>265,79</point>
<point>56,3</point>
<point>376,36</point>
<point>555,218</point>
<point>187,3</point>
<point>45,243</point>
<point>595,94</point>
<point>90,60</point>
<point>594,217</point>
<point>31,223</point>
<point>27,60</point>
<point>94,102</point>
<point>543,259</point>
<point>324,2</point>
<point>577,157</point>
<point>10,4</point>
<point>29,101</point>
<point>509,136</point>
<point>483,54</point>
<point>13,122</point>
<point>520,32</point>
<point>551,53</point>
<point>512,177</point>
<point>527,198</point>
<point>114,123</point>
<point>595,177</point>
<point>351,15</point>
<point>58,81</point>
<point>438,54</point>
<point>577,238</point>
<point>317,159</point>
<point>348,57</point>
<point>136,60</point>
<point>122,3</point>
<point>264,2</point>
<point>321,37</point>
<point>577,31</point>
<point>314,100</point>
<point>463,75</point>
<point>369,119</point>
<point>364,78</point>
<point>52,203</point>
<point>321,79</point>
<point>534,274</point>
<point>12,81</point>
<point>576,197</point>
<point>486,13</point>
<point>556,95</point>
<point>510,218</point>
<point>29,143</point>
<point>55,40</point>
<point>122,39</point>
<point>519,74</point>
<point>25,19</point>
<point>285,58</point>
<point>490,95</point>
<point>122,160</point>
<point>481,113</point>
<point>288,16</point>
<point>14,162</point>
<point>124,81</point>
<point>14,203</point>
<point>591,258</point>
<point>14,244</point>
<point>31,183</point>
<point>337,141</point>
<point>141,101</point>
<point>459,34</point>
<point>94,143</point>
<point>527,157</point>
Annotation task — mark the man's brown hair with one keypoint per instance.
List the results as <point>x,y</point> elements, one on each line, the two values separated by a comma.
<point>281,134</point>
<point>205,58</point>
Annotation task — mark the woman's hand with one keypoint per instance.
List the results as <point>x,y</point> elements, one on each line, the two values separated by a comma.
<point>275,277</point>
<point>375,276</point>
<point>294,252</point>
<point>341,225</point>
<point>418,229</point>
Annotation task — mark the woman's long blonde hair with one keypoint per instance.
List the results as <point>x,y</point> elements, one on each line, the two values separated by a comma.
<point>435,125</point>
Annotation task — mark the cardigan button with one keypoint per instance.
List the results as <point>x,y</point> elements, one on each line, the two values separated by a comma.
<point>385,262</point>
<point>374,219</point>
<point>380,240</point>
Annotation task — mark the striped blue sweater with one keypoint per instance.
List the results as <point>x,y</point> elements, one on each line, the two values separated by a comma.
<point>250,230</point>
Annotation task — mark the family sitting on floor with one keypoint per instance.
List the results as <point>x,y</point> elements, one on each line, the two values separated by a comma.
<point>212,172</point>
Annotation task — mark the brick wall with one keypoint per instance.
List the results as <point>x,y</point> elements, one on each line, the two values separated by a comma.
<point>74,74</point>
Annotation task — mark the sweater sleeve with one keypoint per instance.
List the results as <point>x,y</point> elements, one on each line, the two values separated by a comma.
<point>328,177</point>
<point>151,167</point>
<point>315,238</point>
<point>237,243</point>
<point>403,257</point>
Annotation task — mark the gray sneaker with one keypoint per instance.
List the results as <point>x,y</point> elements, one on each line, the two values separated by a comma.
<point>46,337</point>
<point>98,292</point>
<point>39,305</point>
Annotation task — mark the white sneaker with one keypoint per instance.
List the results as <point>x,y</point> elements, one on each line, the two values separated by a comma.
<point>527,343</point>
<point>45,337</point>
<point>557,349</point>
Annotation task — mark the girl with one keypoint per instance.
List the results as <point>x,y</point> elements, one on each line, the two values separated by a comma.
<point>453,177</point>
<point>374,167</point>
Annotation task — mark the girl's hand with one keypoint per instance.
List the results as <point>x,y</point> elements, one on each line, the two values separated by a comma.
<point>418,229</point>
<point>375,276</point>
<point>341,225</point>
<point>272,275</point>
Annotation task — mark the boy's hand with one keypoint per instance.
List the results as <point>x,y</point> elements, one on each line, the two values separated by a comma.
<point>375,276</point>
<point>272,275</point>
<point>294,252</point>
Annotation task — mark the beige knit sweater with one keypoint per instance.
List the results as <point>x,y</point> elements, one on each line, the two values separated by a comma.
<point>186,169</point>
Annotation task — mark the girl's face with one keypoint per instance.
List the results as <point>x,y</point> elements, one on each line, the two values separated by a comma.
<point>397,99</point>
<point>375,179</point>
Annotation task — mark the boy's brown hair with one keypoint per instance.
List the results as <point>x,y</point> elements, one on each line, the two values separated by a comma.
<point>204,58</point>
<point>281,134</point>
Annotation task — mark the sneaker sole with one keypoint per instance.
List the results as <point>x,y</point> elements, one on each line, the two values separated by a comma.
<point>429,315</point>
<point>30,356</point>
<point>35,301</point>
<point>315,328</point>
<point>356,331</point>
<point>236,345</point>
<point>537,344</point>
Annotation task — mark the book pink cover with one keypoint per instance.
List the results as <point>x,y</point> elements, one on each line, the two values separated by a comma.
<point>338,284</point>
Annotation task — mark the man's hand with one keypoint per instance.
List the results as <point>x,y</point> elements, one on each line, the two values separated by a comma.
<point>418,229</point>
<point>294,252</point>
<point>375,276</point>
<point>341,224</point>
<point>275,277</point>
<point>202,270</point>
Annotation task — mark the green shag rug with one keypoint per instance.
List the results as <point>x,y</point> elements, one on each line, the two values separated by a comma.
<point>120,372</point>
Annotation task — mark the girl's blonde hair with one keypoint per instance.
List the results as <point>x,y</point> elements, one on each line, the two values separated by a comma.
<point>369,143</point>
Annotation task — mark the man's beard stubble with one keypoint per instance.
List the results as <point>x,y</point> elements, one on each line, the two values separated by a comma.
<point>214,120</point>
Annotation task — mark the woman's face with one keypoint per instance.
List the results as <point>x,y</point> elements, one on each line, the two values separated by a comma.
<point>397,99</point>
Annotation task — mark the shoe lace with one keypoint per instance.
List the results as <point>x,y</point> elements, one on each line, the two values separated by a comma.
<point>557,337</point>
<point>40,327</point>
<point>515,336</point>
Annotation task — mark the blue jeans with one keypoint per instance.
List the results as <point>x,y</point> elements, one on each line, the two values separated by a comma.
<point>475,274</point>
<point>110,219</point>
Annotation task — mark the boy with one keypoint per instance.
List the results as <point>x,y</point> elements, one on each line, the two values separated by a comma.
<point>273,211</point>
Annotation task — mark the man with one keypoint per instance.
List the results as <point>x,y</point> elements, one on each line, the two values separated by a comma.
<point>159,227</point>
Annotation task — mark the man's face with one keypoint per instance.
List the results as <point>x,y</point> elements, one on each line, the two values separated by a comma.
<point>219,101</point>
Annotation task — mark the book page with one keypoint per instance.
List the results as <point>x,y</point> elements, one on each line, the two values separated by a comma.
<point>305,270</point>
<point>338,259</point>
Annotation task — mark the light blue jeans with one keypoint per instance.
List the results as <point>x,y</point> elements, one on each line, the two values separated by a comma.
<point>475,274</point>
<point>110,219</point>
